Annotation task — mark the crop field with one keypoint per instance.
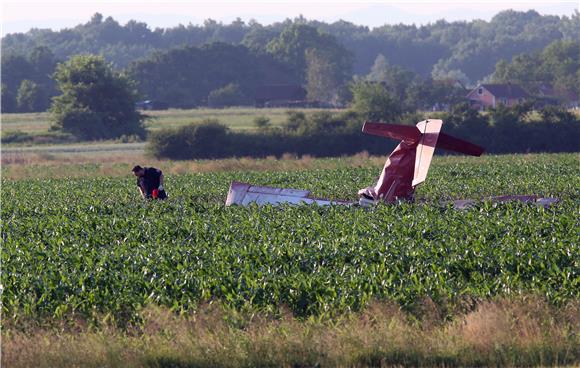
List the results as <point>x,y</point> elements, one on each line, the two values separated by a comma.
<point>92,246</point>
<point>90,249</point>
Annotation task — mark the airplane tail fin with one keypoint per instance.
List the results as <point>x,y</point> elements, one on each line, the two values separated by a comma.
<point>430,139</point>
<point>427,134</point>
<point>430,131</point>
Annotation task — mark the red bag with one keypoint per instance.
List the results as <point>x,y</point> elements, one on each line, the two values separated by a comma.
<point>155,193</point>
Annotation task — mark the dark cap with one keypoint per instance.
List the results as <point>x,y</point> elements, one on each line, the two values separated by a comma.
<point>137,168</point>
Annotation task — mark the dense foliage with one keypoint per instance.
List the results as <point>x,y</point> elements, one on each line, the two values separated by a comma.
<point>323,134</point>
<point>205,140</point>
<point>465,51</point>
<point>185,77</point>
<point>293,44</point>
<point>96,102</point>
<point>456,45</point>
<point>93,246</point>
<point>557,66</point>
<point>373,101</point>
<point>26,80</point>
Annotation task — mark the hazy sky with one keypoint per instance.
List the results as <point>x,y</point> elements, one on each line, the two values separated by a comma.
<point>21,15</point>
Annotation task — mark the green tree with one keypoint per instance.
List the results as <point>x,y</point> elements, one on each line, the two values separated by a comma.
<point>561,61</point>
<point>96,102</point>
<point>31,97</point>
<point>555,114</point>
<point>229,95</point>
<point>184,77</point>
<point>395,78</point>
<point>372,101</point>
<point>208,139</point>
<point>262,122</point>
<point>258,37</point>
<point>427,93</point>
<point>323,76</point>
<point>440,72</point>
<point>291,45</point>
<point>558,65</point>
<point>8,100</point>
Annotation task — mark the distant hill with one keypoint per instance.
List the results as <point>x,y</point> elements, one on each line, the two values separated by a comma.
<point>182,65</point>
<point>442,48</point>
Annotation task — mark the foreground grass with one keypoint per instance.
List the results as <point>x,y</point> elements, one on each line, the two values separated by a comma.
<point>521,331</point>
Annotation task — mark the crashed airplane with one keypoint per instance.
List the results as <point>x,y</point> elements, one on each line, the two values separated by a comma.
<point>406,167</point>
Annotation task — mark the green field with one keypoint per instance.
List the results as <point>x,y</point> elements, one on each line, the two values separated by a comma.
<point>237,118</point>
<point>39,144</point>
<point>90,244</point>
<point>90,249</point>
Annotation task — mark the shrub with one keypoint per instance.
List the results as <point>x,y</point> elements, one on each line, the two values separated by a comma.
<point>556,114</point>
<point>261,122</point>
<point>96,101</point>
<point>372,101</point>
<point>229,95</point>
<point>205,140</point>
<point>326,134</point>
<point>294,120</point>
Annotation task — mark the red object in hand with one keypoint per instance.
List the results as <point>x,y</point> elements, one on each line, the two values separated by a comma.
<point>155,193</point>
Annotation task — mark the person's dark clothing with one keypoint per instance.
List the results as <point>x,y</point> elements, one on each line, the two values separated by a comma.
<point>150,181</point>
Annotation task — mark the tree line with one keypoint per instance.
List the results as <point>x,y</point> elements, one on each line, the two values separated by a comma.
<point>97,102</point>
<point>184,65</point>
<point>323,134</point>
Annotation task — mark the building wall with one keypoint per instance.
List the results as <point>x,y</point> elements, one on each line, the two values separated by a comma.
<point>483,97</point>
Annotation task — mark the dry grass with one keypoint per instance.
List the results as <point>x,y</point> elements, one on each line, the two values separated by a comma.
<point>525,331</point>
<point>49,165</point>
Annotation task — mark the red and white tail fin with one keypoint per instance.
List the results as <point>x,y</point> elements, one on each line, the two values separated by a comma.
<point>427,135</point>
<point>430,130</point>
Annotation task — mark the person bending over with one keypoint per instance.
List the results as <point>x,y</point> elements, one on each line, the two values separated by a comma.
<point>150,182</point>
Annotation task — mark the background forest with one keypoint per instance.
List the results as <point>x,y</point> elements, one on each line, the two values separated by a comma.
<point>184,65</point>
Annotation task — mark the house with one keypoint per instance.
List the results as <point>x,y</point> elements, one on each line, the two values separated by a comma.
<point>490,95</point>
<point>284,95</point>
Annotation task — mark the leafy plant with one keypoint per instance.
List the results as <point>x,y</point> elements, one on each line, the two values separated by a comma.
<point>92,246</point>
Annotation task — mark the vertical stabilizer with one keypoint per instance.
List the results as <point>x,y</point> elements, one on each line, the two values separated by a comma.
<point>430,132</point>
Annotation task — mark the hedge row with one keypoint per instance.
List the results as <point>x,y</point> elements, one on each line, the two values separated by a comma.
<point>205,141</point>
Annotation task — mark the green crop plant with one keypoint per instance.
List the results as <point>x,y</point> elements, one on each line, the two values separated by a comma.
<point>92,246</point>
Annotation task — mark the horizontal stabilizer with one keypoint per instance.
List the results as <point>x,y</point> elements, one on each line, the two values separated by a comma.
<point>394,131</point>
<point>450,143</point>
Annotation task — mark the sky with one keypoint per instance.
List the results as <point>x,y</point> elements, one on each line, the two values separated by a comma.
<point>22,15</point>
